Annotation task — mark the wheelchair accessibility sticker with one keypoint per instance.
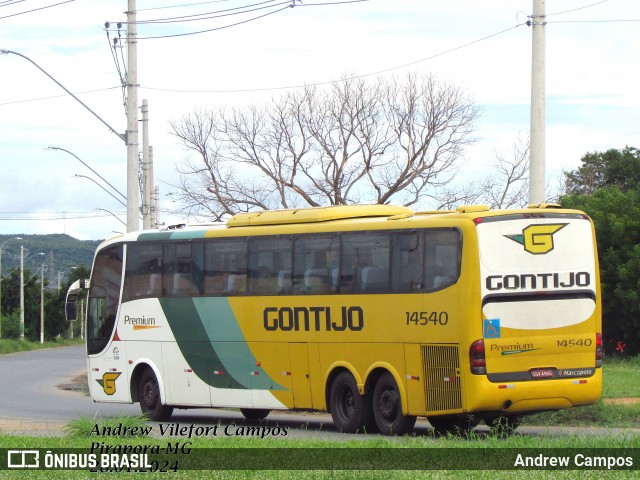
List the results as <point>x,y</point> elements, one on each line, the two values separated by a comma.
<point>492,328</point>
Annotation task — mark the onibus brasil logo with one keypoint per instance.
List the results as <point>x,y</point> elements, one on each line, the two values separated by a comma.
<point>537,239</point>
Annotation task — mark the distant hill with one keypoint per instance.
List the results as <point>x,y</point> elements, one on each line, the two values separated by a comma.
<point>61,252</point>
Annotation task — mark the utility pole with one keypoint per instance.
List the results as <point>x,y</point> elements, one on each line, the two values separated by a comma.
<point>537,153</point>
<point>21,292</point>
<point>147,169</point>
<point>133,189</point>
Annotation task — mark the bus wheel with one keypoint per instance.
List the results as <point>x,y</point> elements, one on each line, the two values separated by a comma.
<point>460,424</point>
<point>149,395</point>
<point>255,413</point>
<point>503,425</point>
<point>387,408</point>
<point>351,412</point>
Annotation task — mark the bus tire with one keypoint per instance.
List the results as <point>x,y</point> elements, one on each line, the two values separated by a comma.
<point>255,413</point>
<point>149,396</point>
<point>351,412</point>
<point>387,408</point>
<point>455,424</point>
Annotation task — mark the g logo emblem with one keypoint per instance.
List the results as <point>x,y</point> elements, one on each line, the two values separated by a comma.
<point>108,382</point>
<point>537,239</point>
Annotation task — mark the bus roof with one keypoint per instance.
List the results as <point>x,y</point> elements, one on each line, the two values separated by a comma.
<point>326,215</point>
<point>314,215</point>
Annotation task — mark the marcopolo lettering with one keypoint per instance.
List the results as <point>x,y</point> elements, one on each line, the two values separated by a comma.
<point>533,281</point>
<point>313,319</point>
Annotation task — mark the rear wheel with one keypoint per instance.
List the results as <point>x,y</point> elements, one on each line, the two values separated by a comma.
<point>351,412</point>
<point>255,413</point>
<point>149,396</point>
<point>460,424</point>
<point>387,408</point>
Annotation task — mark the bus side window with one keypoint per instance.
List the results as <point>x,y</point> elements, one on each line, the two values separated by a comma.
<point>316,264</point>
<point>365,258</point>
<point>268,257</point>
<point>143,277</point>
<point>225,267</point>
<point>215,278</point>
<point>407,260</point>
<point>184,277</point>
<point>443,254</point>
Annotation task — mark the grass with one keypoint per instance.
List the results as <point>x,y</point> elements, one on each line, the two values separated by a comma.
<point>621,377</point>
<point>621,380</point>
<point>455,449</point>
<point>12,345</point>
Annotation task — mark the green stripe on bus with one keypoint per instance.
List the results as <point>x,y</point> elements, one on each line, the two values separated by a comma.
<point>211,341</point>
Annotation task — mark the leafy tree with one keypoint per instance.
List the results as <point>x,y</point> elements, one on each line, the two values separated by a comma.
<point>616,214</point>
<point>380,142</point>
<point>599,169</point>
<point>54,299</point>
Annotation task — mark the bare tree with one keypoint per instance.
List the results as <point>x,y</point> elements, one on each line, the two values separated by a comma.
<point>507,184</point>
<point>380,142</point>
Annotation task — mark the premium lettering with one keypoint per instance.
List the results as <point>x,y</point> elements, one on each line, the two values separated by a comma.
<point>139,320</point>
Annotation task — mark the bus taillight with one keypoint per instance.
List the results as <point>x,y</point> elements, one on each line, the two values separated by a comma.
<point>477,358</point>
<point>598,350</point>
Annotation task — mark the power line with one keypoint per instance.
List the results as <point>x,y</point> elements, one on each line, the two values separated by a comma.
<point>180,6</point>
<point>214,14</point>
<point>8,3</point>
<point>57,96</point>
<point>37,9</point>
<point>288,4</point>
<point>216,28</point>
<point>597,21</point>
<point>576,9</point>
<point>459,47</point>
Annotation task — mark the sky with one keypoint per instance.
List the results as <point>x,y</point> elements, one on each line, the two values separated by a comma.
<point>592,95</point>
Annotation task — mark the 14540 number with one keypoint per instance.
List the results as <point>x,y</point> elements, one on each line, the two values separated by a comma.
<point>427,318</point>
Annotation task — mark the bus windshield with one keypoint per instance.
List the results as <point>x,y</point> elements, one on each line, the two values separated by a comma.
<point>104,297</point>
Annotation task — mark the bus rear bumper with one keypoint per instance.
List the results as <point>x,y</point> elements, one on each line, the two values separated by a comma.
<point>533,396</point>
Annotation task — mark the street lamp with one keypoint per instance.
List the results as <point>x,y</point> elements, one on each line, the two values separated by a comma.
<point>82,162</point>
<point>2,250</point>
<point>89,178</point>
<point>22,289</point>
<point>60,273</point>
<point>112,214</point>
<point>130,138</point>
<point>42,303</point>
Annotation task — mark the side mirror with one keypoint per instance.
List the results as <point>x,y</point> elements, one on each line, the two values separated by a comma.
<point>71,304</point>
<point>71,308</point>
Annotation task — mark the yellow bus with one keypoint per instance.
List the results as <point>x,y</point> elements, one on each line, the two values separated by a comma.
<point>374,313</point>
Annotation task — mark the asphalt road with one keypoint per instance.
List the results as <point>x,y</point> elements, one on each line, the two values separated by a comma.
<point>32,402</point>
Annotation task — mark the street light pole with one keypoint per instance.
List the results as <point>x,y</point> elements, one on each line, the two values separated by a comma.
<point>22,290</point>
<point>111,129</point>
<point>41,304</point>
<point>130,137</point>
<point>1,250</point>
<point>89,178</point>
<point>82,162</point>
